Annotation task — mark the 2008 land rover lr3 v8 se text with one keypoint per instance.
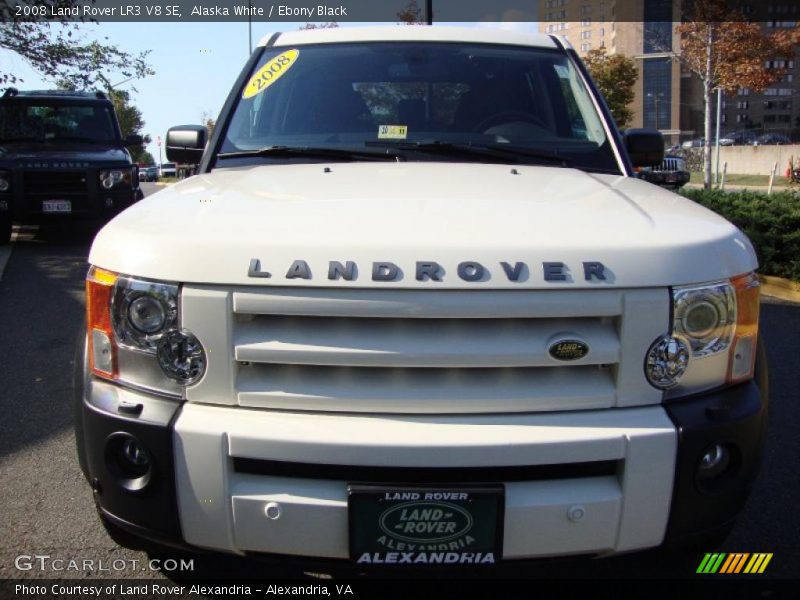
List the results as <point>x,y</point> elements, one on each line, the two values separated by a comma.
<point>415,308</point>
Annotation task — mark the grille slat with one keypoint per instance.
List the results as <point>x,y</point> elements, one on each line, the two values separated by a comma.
<point>419,342</point>
<point>425,390</point>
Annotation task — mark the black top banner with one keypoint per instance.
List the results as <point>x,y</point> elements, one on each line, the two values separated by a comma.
<point>390,11</point>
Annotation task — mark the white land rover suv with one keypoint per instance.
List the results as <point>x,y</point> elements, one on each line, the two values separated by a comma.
<point>416,308</point>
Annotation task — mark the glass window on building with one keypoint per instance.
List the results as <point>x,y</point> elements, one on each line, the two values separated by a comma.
<point>657,26</point>
<point>657,80</point>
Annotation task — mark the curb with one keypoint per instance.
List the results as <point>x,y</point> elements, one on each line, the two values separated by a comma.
<point>778,287</point>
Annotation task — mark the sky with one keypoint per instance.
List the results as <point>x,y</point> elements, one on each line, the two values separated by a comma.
<point>195,63</point>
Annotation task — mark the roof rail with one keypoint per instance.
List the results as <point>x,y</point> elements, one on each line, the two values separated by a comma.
<point>10,92</point>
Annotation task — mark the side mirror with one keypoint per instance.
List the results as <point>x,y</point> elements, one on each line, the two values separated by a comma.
<point>645,147</point>
<point>133,139</point>
<point>185,144</point>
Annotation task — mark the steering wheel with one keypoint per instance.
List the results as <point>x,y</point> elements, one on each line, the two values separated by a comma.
<point>508,116</point>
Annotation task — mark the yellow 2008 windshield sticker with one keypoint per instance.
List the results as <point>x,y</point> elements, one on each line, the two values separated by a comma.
<point>270,73</point>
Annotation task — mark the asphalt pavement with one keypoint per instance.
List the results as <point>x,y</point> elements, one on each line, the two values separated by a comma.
<point>47,507</point>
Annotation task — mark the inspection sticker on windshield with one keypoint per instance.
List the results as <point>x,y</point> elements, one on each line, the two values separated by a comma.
<point>270,73</point>
<point>392,132</point>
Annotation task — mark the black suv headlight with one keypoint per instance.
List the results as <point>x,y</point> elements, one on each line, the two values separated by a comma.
<point>5,181</point>
<point>119,177</point>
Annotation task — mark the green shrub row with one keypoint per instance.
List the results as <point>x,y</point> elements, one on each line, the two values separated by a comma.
<point>771,222</point>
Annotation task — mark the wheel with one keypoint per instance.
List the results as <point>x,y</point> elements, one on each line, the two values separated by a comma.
<point>508,116</point>
<point>5,228</point>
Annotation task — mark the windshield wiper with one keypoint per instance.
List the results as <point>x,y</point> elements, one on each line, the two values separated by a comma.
<point>316,152</point>
<point>499,151</point>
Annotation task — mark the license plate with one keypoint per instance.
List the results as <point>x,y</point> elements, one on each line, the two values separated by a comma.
<point>425,525</point>
<point>56,206</point>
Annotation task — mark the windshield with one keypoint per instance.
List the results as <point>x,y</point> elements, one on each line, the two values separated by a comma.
<point>430,101</point>
<point>52,122</point>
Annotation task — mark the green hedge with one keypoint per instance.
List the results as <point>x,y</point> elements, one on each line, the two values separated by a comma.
<point>771,222</point>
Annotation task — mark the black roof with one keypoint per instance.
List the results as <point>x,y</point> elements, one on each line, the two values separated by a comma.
<point>13,92</point>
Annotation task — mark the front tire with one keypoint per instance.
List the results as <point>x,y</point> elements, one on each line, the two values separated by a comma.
<point>5,228</point>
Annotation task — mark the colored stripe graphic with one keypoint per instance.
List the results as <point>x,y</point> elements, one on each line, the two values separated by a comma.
<point>734,563</point>
<point>711,563</point>
<point>729,562</point>
<point>763,566</point>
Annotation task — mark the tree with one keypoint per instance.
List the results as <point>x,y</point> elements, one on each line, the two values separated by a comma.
<point>615,76</point>
<point>130,123</point>
<point>412,14</point>
<point>209,122</point>
<point>59,52</point>
<point>727,52</point>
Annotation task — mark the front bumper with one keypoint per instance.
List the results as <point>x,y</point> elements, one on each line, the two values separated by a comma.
<point>88,199</point>
<point>218,467</point>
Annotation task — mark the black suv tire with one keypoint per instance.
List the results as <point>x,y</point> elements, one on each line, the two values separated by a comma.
<point>5,228</point>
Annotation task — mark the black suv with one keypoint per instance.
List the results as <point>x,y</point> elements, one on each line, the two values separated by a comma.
<point>62,155</point>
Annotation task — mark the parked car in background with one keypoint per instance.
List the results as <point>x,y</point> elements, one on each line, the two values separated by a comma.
<point>739,138</point>
<point>150,173</point>
<point>772,139</point>
<point>168,170</point>
<point>671,173</point>
<point>696,143</point>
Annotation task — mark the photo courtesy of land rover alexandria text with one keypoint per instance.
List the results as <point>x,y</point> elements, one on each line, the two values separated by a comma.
<point>416,308</point>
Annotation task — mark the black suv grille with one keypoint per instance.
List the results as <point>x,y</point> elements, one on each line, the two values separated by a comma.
<point>54,182</point>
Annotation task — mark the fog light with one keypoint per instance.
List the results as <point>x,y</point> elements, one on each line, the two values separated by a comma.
<point>134,453</point>
<point>714,462</point>
<point>4,184</point>
<point>666,362</point>
<point>181,356</point>
<point>128,461</point>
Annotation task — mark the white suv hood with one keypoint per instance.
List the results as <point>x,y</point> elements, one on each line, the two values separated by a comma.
<point>208,228</point>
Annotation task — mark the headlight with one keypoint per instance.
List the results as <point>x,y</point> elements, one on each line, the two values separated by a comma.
<point>135,336</point>
<point>5,181</point>
<point>712,341</point>
<point>143,311</point>
<point>705,316</point>
<point>119,177</point>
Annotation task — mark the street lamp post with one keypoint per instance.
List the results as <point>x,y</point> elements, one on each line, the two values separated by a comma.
<point>719,122</point>
<point>250,26</point>
<point>656,98</point>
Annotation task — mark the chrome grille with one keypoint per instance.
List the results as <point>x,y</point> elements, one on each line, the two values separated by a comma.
<point>670,164</point>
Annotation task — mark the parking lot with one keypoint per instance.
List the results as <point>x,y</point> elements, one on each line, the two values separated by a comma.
<point>48,508</point>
